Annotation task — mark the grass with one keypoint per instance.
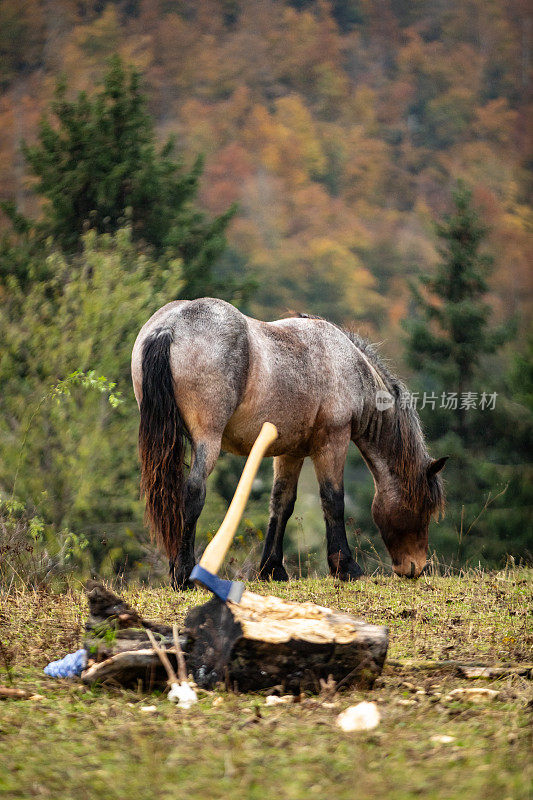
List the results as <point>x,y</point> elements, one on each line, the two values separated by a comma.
<point>98,743</point>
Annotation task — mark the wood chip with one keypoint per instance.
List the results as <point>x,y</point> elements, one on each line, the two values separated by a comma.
<point>476,694</point>
<point>274,700</point>
<point>11,693</point>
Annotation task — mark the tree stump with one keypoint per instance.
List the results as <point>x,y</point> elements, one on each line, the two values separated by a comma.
<point>265,641</point>
<point>258,643</point>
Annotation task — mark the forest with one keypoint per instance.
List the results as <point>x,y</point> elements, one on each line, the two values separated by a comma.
<point>368,162</point>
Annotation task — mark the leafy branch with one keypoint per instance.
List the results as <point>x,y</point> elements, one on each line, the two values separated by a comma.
<point>63,388</point>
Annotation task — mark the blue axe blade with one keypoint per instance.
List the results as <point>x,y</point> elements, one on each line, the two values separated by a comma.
<point>225,590</point>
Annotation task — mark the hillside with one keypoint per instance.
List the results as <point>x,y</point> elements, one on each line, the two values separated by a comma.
<point>337,126</point>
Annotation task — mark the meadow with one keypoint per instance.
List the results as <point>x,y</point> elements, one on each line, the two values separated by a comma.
<point>79,742</point>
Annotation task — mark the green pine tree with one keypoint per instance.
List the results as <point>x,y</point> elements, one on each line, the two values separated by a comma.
<point>454,347</point>
<point>97,165</point>
<point>451,334</point>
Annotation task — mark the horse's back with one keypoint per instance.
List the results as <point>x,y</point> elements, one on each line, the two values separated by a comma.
<point>232,372</point>
<point>298,379</point>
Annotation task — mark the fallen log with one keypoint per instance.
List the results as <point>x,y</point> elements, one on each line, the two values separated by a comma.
<point>117,644</point>
<point>472,671</point>
<point>521,670</point>
<point>258,643</point>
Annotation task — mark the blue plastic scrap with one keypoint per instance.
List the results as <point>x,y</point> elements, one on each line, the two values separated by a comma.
<point>69,667</point>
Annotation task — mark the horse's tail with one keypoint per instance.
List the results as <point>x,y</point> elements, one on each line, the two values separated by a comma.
<point>163,438</point>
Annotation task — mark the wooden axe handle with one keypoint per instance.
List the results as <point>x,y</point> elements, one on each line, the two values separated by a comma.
<point>216,550</point>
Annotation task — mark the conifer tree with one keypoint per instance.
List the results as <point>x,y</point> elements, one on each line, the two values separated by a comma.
<point>453,347</point>
<point>451,331</point>
<point>97,165</point>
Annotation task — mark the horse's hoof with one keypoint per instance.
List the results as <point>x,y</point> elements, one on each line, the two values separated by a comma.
<point>349,571</point>
<point>351,575</point>
<point>182,585</point>
<point>179,578</point>
<point>276,572</point>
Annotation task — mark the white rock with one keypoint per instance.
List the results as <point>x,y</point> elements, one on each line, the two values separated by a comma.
<point>441,738</point>
<point>362,717</point>
<point>182,694</point>
<point>148,709</point>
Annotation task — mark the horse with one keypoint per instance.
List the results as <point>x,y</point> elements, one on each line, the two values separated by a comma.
<point>206,377</point>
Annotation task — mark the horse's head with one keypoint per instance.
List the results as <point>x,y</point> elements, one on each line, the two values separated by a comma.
<point>405,533</point>
<point>404,522</point>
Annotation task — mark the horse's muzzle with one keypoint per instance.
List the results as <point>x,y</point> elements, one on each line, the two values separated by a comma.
<point>409,568</point>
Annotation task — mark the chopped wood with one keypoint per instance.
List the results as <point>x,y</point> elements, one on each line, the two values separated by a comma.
<point>266,641</point>
<point>172,677</point>
<point>127,669</point>
<point>108,610</point>
<point>182,667</point>
<point>118,644</point>
<point>259,643</point>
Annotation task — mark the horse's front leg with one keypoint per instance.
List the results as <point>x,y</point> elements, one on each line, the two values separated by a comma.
<point>286,474</point>
<point>204,456</point>
<point>329,467</point>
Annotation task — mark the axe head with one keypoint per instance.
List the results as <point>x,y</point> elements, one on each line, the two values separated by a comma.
<point>225,590</point>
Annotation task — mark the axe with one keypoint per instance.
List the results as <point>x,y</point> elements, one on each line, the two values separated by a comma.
<point>205,572</point>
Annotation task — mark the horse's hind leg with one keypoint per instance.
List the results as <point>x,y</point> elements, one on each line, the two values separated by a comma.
<point>329,467</point>
<point>205,453</point>
<point>286,474</point>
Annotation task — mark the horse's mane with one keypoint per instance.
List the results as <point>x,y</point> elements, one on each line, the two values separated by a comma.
<point>404,442</point>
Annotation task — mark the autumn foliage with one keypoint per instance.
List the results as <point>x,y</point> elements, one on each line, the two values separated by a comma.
<point>339,127</point>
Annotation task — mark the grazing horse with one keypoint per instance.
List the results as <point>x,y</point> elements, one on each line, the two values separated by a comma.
<point>205,374</point>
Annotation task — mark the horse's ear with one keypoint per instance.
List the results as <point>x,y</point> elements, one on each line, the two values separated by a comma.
<point>436,466</point>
